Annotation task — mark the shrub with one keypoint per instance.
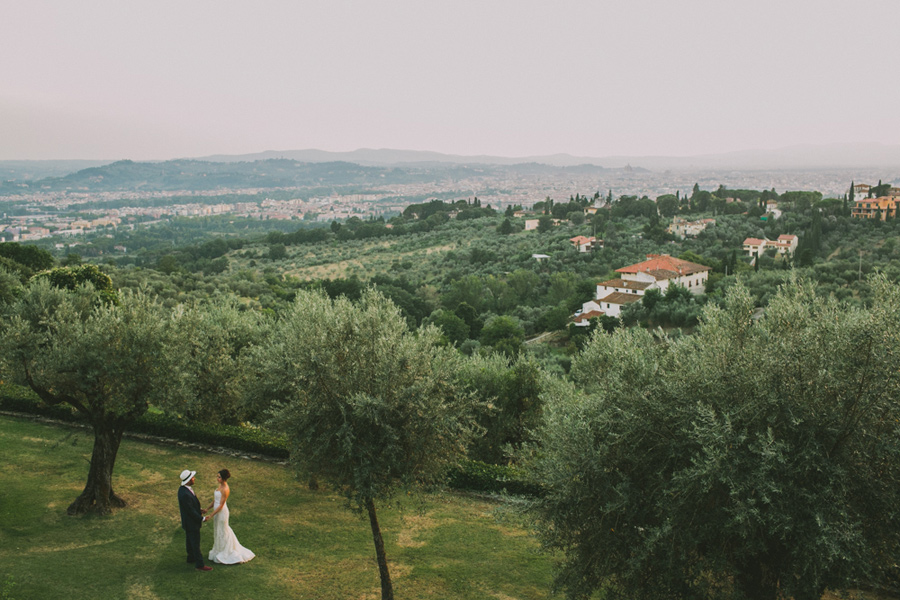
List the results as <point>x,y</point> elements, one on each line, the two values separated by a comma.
<point>484,477</point>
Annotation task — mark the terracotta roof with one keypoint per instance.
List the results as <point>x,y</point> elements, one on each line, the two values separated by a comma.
<point>625,283</point>
<point>581,239</point>
<point>753,242</point>
<point>589,315</point>
<point>664,262</point>
<point>620,298</point>
<point>662,274</point>
<point>786,238</point>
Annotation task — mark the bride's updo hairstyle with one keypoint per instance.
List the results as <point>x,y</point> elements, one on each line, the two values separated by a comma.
<point>224,474</point>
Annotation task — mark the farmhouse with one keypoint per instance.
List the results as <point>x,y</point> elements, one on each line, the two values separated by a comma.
<point>659,271</point>
<point>785,244</point>
<point>586,244</point>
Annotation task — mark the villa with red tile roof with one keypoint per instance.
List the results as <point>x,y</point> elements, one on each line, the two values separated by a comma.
<point>657,272</point>
<point>754,246</point>
<point>660,270</point>
<point>785,244</point>
<point>883,208</point>
<point>860,190</point>
<point>585,244</point>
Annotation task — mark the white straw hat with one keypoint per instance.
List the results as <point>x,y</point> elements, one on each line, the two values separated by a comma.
<point>186,476</point>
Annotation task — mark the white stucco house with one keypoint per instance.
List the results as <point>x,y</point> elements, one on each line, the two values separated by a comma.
<point>585,244</point>
<point>659,271</point>
<point>785,244</point>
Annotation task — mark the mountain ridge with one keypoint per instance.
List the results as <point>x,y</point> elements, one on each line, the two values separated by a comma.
<point>806,156</point>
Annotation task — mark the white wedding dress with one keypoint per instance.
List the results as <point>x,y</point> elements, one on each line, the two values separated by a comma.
<point>226,548</point>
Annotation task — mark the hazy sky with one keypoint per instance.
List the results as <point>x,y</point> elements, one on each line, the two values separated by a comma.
<point>111,79</point>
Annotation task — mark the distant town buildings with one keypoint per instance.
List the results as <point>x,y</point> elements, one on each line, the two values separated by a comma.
<point>52,212</point>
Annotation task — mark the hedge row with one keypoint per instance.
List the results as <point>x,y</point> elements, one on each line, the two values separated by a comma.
<point>471,475</point>
<point>245,439</point>
<point>485,477</point>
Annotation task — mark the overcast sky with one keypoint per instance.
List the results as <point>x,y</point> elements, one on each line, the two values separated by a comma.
<point>112,79</point>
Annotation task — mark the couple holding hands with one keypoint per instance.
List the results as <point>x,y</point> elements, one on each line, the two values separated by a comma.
<point>226,548</point>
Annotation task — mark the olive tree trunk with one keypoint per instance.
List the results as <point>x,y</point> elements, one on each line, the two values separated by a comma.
<point>387,590</point>
<point>98,494</point>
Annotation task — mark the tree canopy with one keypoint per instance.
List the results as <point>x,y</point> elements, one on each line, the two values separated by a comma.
<point>365,403</point>
<point>755,459</point>
<point>108,361</point>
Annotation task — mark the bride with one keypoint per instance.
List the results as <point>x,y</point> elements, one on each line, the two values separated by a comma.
<point>226,548</point>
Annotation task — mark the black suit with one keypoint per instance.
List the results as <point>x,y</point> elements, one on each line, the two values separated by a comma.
<point>191,519</point>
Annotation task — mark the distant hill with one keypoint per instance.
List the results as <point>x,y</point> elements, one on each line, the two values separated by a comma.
<point>202,175</point>
<point>387,157</point>
<point>30,170</point>
<point>370,167</point>
<point>791,157</point>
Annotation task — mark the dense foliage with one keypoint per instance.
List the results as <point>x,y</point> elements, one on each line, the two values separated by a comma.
<point>754,459</point>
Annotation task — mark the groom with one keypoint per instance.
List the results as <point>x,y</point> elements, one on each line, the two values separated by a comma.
<point>191,519</point>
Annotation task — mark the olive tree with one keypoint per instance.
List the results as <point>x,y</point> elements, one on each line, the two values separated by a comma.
<point>218,336</point>
<point>509,390</point>
<point>755,459</point>
<point>365,403</point>
<point>107,360</point>
<point>10,286</point>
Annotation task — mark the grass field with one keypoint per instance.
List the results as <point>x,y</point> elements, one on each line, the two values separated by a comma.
<point>308,544</point>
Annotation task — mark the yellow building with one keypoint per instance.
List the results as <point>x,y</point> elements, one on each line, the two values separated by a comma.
<point>884,207</point>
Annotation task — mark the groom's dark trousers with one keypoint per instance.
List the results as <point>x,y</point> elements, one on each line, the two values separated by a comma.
<point>191,519</point>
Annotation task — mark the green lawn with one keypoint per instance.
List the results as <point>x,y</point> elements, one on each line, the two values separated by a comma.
<point>308,545</point>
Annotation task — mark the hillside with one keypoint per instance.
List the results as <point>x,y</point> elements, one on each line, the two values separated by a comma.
<point>193,175</point>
